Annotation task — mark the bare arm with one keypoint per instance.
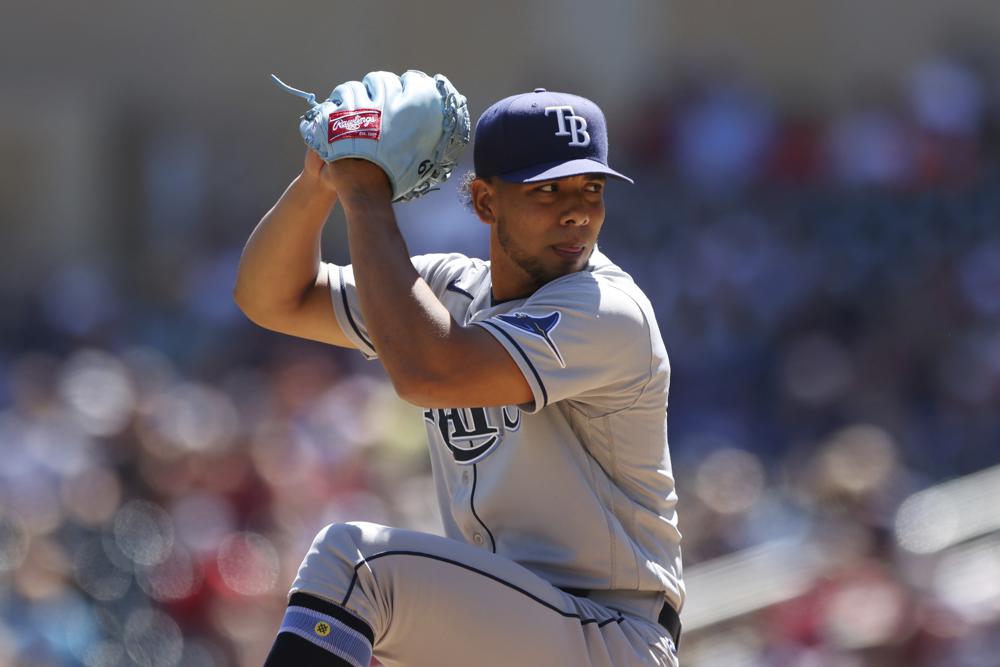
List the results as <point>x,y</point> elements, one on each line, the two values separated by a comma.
<point>281,284</point>
<point>432,360</point>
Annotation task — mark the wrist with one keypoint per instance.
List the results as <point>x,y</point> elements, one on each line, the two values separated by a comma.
<point>367,199</point>
<point>360,183</point>
<point>315,187</point>
<point>368,212</point>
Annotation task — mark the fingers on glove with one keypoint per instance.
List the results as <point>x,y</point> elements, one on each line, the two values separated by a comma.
<point>449,88</point>
<point>413,76</point>
<point>382,86</point>
<point>350,95</point>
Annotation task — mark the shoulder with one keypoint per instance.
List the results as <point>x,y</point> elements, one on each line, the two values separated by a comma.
<point>603,291</point>
<point>444,268</point>
<point>450,260</point>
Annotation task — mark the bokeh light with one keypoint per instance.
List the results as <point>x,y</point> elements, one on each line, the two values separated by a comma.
<point>282,456</point>
<point>202,520</point>
<point>96,386</point>
<point>144,532</point>
<point>36,505</point>
<point>202,653</point>
<point>13,542</point>
<point>817,369</point>
<point>175,578</point>
<point>92,496</point>
<point>44,572</point>
<point>96,574</point>
<point>56,444</point>
<point>866,612</point>
<point>859,459</point>
<point>104,654</point>
<point>153,639</point>
<point>248,563</point>
<point>730,481</point>
<point>188,417</point>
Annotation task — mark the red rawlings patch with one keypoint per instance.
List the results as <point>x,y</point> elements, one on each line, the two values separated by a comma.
<point>354,124</point>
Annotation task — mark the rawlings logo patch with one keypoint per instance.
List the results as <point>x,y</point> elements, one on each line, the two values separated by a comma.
<point>354,124</point>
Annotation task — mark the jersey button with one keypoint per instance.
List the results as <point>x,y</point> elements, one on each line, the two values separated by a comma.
<point>465,476</point>
<point>478,538</point>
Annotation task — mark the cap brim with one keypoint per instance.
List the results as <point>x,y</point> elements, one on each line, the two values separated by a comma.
<point>552,170</point>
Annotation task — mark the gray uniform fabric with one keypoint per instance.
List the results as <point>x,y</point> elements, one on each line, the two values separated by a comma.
<point>576,486</point>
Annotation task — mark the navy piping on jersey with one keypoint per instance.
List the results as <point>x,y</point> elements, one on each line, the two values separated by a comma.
<point>545,394</point>
<point>472,504</point>
<point>347,309</point>
<point>564,614</point>
<point>452,287</point>
<point>494,302</point>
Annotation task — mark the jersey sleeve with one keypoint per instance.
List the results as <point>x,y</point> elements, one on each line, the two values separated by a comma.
<point>347,308</point>
<point>579,339</point>
<point>437,270</point>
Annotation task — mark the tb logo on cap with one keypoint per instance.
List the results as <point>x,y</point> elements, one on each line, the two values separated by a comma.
<point>577,130</point>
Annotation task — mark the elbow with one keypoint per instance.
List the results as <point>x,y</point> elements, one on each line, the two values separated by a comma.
<point>432,373</point>
<point>240,292</point>
<point>250,307</point>
<point>254,303</point>
<point>243,302</point>
<point>409,388</point>
<point>419,387</point>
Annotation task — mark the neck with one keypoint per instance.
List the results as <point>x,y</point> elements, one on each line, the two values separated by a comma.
<point>509,280</point>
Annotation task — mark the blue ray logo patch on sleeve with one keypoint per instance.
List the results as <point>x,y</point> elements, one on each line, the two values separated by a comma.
<point>541,327</point>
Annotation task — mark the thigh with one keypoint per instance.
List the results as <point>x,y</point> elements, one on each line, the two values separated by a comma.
<point>435,601</point>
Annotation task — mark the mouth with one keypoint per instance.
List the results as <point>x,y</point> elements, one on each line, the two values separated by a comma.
<point>571,250</point>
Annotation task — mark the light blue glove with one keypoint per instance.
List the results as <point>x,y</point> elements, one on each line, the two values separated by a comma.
<point>413,126</point>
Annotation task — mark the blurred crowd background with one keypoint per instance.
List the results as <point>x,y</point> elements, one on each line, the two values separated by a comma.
<point>816,219</point>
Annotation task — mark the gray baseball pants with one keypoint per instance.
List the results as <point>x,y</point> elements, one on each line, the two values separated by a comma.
<point>435,602</point>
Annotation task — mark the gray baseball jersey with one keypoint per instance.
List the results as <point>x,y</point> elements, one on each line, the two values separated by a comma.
<point>576,486</point>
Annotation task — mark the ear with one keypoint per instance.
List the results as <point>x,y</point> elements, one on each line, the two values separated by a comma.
<point>483,200</point>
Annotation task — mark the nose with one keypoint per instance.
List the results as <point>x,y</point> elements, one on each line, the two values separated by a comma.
<point>576,214</point>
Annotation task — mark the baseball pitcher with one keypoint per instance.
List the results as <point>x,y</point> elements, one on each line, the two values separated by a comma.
<point>541,374</point>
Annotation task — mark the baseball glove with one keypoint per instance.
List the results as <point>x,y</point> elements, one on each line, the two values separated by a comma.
<point>413,126</point>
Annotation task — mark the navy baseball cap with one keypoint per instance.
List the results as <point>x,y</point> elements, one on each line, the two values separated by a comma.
<point>540,136</point>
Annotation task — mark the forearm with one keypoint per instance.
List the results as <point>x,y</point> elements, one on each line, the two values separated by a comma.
<point>281,259</point>
<point>410,328</point>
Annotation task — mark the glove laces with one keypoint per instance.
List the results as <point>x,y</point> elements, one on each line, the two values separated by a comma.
<point>308,97</point>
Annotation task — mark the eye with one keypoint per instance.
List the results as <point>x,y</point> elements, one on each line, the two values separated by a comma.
<point>547,187</point>
<point>595,186</point>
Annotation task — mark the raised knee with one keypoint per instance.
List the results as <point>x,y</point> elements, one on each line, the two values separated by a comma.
<point>336,534</point>
<point>357,533</point>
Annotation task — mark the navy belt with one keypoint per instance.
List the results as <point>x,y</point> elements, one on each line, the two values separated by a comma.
<point>668,618</point>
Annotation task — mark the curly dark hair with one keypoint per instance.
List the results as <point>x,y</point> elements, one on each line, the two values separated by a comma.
<point>465,189</point>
